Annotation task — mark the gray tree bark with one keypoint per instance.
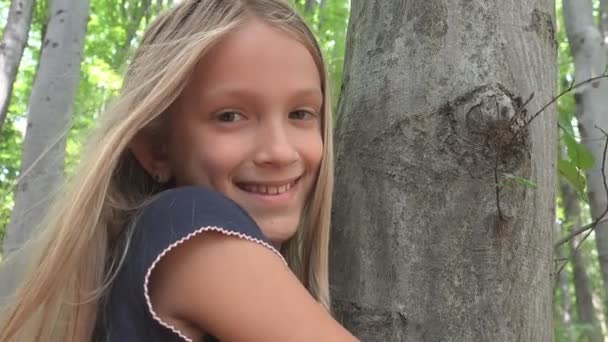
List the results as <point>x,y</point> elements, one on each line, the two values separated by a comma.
<point>49,117</point>
<point>14,40</point>
<point>604,19</point>
<point>567,306</point>
<point>322,16</point>
<point>591,110</point>
<point>584,296</point>
<point>132,13</point>
<point>564,285</point>
<point>309,5</point>
<point>582,286</point>
<point>419,249</point>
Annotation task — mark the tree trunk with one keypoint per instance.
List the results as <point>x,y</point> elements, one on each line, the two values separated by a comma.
<point>584,297</point>
<point>420,251</point>
<point>591,110</point>
<point>13,43</point>
<point>582,286</point>
<point>132,17</point>
<point>563,284</point>
<point>604,20</point>
<point>159,6</point>
<point>322,18</point>
<point>49,117</point>
<point>567,306</point>
<point>309,6</point>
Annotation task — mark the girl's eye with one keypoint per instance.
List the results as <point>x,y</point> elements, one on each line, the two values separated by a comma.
<point>301,115</point>
<point>229,117</point>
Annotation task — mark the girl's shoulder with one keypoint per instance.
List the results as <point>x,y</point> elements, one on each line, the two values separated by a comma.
<point>177,214</point>
<point>163,224</point>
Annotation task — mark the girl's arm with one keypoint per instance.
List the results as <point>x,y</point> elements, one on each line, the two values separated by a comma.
<point>238,291</point>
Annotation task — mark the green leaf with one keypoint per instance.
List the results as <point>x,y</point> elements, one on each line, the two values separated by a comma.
<point>571,174</point>
<point>564,118</point>
<point>579,155</point>
<point>521,180</point>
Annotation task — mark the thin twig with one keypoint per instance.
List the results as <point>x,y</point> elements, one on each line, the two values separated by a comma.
<point>570,88</point>
<point>579,231</point>
<point>604,168</point>
<point>581,242</point>
<point>555,99</point>
<point>521,109</point>
<point>590,227</point>
<point>496,160</point>
<point>574,251</point>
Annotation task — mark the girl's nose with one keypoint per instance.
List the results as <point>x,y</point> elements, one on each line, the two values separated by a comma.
<point>274,146</point>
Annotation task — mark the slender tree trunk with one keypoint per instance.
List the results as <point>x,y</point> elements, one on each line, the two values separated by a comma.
<point>563,284</point>
<point>591,110</point>
<point>159,6</point>
<point>420,251</point>
<point>582,285</point>
<point>310,5</point>
<point>584,296</point>
<point>14,40</point>
<point>133,18</point>
<point>322,17</point>
<point>49,117</point>
<point>567,306</point>
<point>604,20</point>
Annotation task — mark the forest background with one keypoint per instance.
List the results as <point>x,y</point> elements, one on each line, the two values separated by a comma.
<point>114,28</point>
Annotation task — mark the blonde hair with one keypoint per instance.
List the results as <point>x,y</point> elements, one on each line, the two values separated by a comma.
<point>83,239</point>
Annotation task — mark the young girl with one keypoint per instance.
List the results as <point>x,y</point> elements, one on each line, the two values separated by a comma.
<point>201,208</point>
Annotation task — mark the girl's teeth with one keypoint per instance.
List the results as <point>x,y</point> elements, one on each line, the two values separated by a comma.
<point>268,190</point>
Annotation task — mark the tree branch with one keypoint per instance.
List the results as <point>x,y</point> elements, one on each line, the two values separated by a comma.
<point>519,111</point>
<point>572,87</point>
<point>578,231</point>
<point>590,227</point>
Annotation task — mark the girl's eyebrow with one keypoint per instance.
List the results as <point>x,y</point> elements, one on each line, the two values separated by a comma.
<point>310,92</point>
<point>243,92</point>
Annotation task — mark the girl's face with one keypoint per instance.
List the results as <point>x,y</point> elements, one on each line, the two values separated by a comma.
<point>249,126</point>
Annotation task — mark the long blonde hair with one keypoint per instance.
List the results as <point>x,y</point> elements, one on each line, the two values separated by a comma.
<point>83,236</point>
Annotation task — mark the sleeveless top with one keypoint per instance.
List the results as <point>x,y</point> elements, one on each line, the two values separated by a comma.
<point>169,219</point>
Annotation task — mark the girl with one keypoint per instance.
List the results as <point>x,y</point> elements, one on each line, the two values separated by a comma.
<point>209,176</point>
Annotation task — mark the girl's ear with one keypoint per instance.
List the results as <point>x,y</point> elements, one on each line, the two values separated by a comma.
<point>152,156</point>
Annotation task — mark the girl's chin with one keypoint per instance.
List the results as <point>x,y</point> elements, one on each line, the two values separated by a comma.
<point>278,231</point>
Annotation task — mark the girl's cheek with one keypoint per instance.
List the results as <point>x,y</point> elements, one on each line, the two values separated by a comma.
<point>315,146</point>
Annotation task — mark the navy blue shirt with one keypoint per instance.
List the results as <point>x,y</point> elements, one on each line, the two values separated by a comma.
<point>169,219</point>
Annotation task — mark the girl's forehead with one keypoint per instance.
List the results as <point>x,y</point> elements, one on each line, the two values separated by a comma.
<point>258,52</point>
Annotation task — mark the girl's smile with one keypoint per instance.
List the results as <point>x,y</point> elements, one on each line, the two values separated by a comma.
<point>275,194</point>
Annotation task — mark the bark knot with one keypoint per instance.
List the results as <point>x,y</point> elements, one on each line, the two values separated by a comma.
<point>484,124</point>
<point>367,319</point>
<point>542,23</point>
